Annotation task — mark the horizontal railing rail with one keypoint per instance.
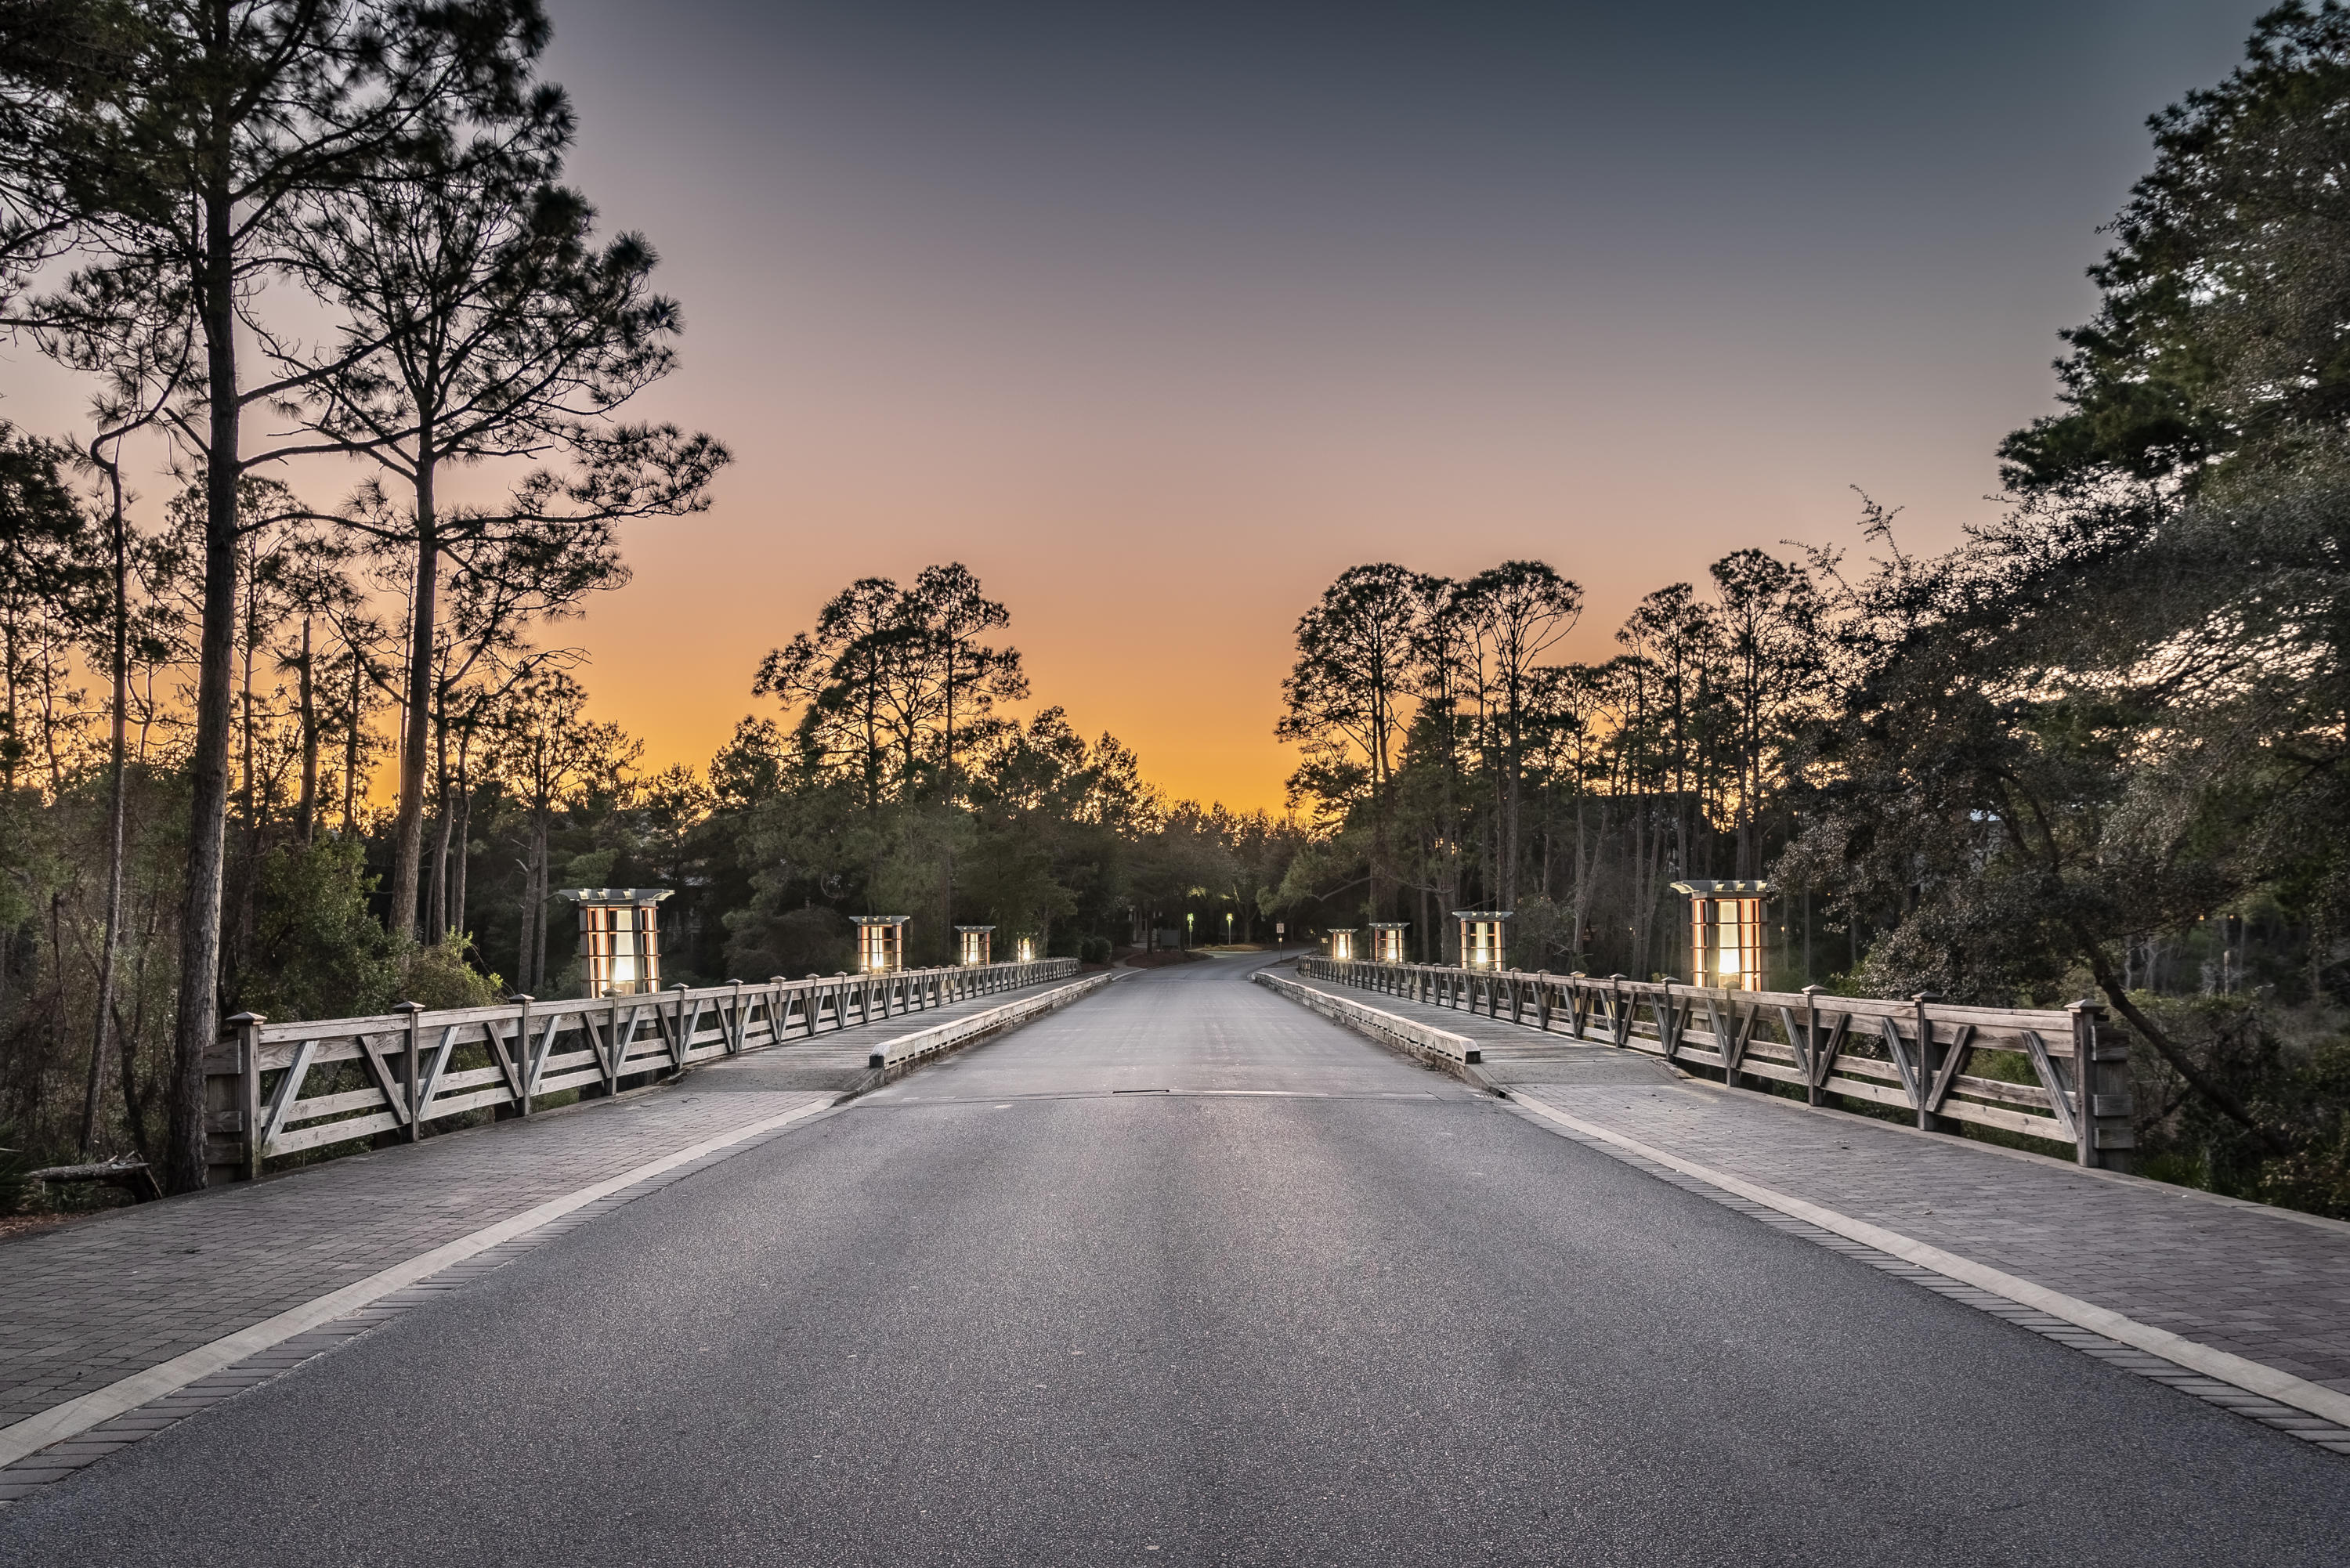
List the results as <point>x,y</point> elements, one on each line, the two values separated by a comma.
<point>1914,1055</point>
<point>276,1089</point>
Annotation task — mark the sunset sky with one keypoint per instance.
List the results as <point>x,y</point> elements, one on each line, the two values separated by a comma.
<point>1160,316</point>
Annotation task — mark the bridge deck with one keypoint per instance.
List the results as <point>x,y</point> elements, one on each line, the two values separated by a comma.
<point>2266,1283</point>
<point>1185,1270</point>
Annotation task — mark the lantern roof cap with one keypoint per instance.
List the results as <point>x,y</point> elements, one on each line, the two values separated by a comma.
<point>974,928</point>
<point>1390,925</point>
<point>1724,890</point>
<point>1483,914</point>
<point>614,895</point>
<point>878,920</point>
<point>1341,931</point>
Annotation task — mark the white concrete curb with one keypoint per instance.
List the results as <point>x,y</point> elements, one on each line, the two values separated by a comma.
<point>907,1049</point>
<point>1416,1037</point>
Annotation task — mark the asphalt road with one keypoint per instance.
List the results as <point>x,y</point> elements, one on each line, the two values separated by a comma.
<point>1187,1274</point>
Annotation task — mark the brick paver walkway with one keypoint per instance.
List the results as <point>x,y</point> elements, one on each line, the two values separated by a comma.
<point>91,1302</point>
<point>2264,1284</point>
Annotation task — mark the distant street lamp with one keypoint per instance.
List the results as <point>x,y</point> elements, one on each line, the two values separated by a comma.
<point>619,938</point>
<point>1228,927</point>
<point>1188,919</point>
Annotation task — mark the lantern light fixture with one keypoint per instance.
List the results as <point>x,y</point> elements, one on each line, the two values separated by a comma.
<point>1726,934</point>
<point>620,938</point>
<point>1342,944</point>
<point>975,945</point>
<point>1483,945</point>
<point>880,943</point>
<point>1027,949</point>
<point>1386,940</point>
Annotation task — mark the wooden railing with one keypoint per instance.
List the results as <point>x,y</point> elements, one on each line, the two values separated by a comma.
<point>274,1089</point>
<point>1913,1054</point>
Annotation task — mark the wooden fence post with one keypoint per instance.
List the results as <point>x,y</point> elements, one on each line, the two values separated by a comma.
<point>2103,1119</point>
<point>248,1093</point>
<point>1813,1077</point>
<point>1929,1065</point>
<point>522,1057</point>
<point>413,1059</point>
<point>616,1048</point>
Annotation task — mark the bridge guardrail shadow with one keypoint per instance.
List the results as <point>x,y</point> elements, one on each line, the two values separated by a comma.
<point>274,1089</point>
<point>1914,1055</point>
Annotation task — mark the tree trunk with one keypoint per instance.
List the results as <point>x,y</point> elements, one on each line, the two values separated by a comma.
<point>196,1026</point>
<point>351,744</point>
<point>438,904</point>
<point>464,807</point>
<point>305,811</point>
<point>115,808</point>
<point>408,831</point>
<point>538,907</point>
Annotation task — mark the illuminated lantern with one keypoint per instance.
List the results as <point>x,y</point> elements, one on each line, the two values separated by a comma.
<point>976,944</point>
<point>880,943</point>
<point>1481,946</point>
<point>1726,932</point>
<point>620,938</point>
<point>1027,949</point>
<point>1342,945</point>
<point>1386,940</point>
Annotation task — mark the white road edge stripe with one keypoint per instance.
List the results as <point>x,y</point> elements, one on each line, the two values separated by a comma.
<point>2249,1376</point>
<point>76,1416</point>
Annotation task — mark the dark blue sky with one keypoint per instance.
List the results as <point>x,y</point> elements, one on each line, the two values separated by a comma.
<point>1160,316</point>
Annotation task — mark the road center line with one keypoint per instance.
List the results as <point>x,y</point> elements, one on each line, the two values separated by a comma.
<point>2249,1376</point>
<point>76,1416</point>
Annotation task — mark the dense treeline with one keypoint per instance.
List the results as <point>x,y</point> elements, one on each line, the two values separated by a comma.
<point>1452,766</point>
<point>2098,750</point>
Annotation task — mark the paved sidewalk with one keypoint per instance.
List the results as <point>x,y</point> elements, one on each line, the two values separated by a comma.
<point>2267,1284</point>
<point>91,1302</point>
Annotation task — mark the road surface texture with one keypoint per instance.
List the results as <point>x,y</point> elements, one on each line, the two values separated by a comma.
<point>1186,1273</point>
